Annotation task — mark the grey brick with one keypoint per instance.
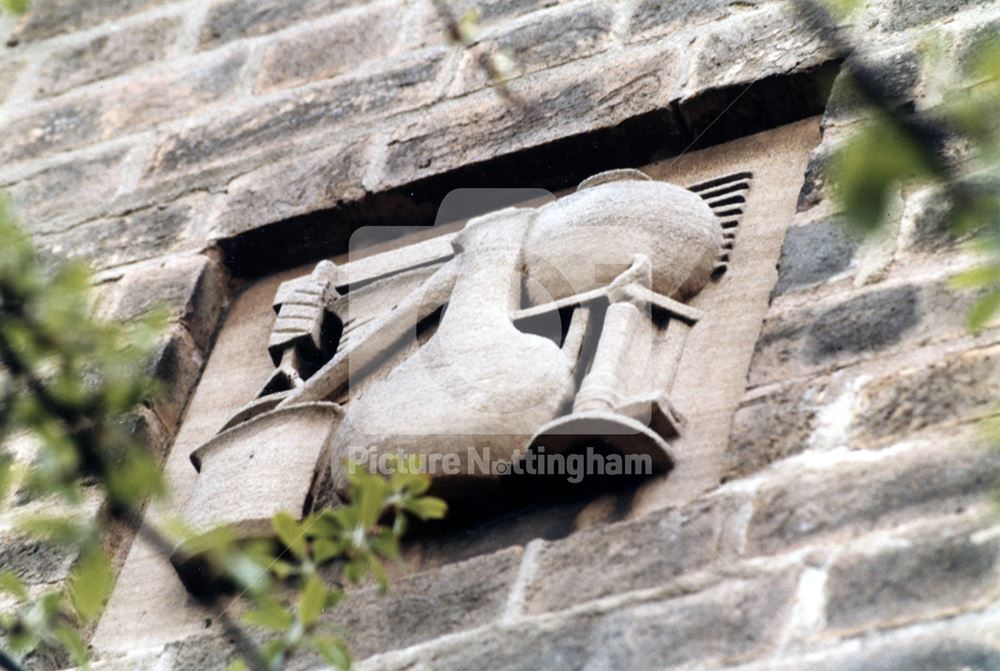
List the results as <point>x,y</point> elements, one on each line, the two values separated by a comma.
<point>322,53</point>
<point>35,562</point>
<point>930,577</point>
<point>896,72</point>
<point>617,558</point>
<point>176,365</point>
<point>810,505</point>
<point>909,13</point>
<point>815,252</point>
<point>54,17</point>
<point>107,55</point>
<point>231,19</point>
<point>655,17</point>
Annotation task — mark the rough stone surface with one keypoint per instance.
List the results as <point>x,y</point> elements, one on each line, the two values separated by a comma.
<point>898,76</point>
<point>623,557</point>
<point>541,43</point>
<point>231,19</point>
<point>742,616</point>
<point>772,427</point>
<point>193,290</point>
<point>814,253</point>
<point>176,365</point>
<point>34,561</point>
<point>400,86</point>
<point>54,17</point>
<point>909,13</point>
<point>106,56</point>
<point>418,608</point>
<point>927,577</point>
<point>653,17</point>
<point>959,387</point>
<point>865,324</point>
<point>327,51</point>
<point>9,71</point>
<point>812,504</point>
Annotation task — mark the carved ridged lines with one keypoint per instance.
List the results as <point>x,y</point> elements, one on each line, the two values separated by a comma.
<point>727,196</point>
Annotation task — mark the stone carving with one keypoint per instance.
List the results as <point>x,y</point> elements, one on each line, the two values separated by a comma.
<point>554,328</point>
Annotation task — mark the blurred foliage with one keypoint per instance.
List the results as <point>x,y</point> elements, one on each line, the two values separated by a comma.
<point>73,385</point>
<point>15,7</point>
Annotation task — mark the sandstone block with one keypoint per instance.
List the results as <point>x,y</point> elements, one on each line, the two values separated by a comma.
<point>231,19</point>
<point>814,253</point>
<point>321,53</point>
<point>54,17</point>
<point>941,476</point>
<point>909,13</point>
<point>653,17</point>
<point>623,557</point>
<point>932,576</point>
<point>176,365</point>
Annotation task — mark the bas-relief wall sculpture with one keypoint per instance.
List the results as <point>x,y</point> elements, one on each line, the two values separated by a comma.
<point>622,315</point>
<point>544,330</point>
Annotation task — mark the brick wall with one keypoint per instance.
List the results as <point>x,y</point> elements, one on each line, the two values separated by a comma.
<point>855,529</point>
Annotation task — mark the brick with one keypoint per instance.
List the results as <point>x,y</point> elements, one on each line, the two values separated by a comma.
<point>55,17</point>
<point>617,558</point>
<point>430,27</point>
<point>763,43</point>
<point>600,92</point>
<point>131,105</point>
<point>817,337</point>
<point>926,223</point>
<point>304,183</point>
<point>321,53</point>
<point>35,562</point>
<point>542,41</point>
<point>928,577</point>
<point>9,71</point>
<point>941,476</point>
<point>71,187</point>
<point>772,427</point>
<point>744,618</point>
<point>897,73</point>
<point>176,365</point>
<point>654,17</point>
<point>814,253</point>
<point>193,290</point>
<point>403,85</point>
<point>112,241</point>
<point>813,186</point>
<point>418,608</point>
<point>106,56</point>
<point>231,19</point>
<point>909,13</point>
<point>960,387</point>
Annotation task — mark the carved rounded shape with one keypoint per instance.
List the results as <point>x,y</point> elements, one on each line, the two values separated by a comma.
<point>603,432</point>
<point>585,240</point>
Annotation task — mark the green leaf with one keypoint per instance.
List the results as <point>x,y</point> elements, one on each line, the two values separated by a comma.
<point>312,600</point>
<point>11,584</point>
<point>16,7</point>
<point>269,614</point>
<point>77,649</point>
<point>333,650</point>
<point>428,508</point>
<point>290,533</point>
<point>979,276</point>
<point>91,583</point>
<point>983,311</point>
<point>237,665</point>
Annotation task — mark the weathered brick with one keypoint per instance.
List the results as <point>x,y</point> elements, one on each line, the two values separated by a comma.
<point>42,199</point>
<point>926,223</point>
<point>322,53</point>
<point>909,13</point>
<point>112,241</point>
<point>817,337</point>
<point>428,605</point>
<point>960,387</point>
<point>133,104</point>
<point>940,477</point>
<point>812,192</point>
<point>107,55</point>
<point>176,365</point>
<point>654,17</point>
<point>192,289</point>
<point>764,43</point>
<point>9,71</point>
<point>813,253</point>
<point>35,562</point>
<point>306,182</point>
<point>53,17</point>
<point>541,41</point>
<point>584,96</point>
<point>622,557</point>
<point>402,85</point>
<point>927,577</point>
<point>744,618</point>
<point>896,72</point>
<point>231,19</point>
<point>772,427</point>
<point>430,26</point>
